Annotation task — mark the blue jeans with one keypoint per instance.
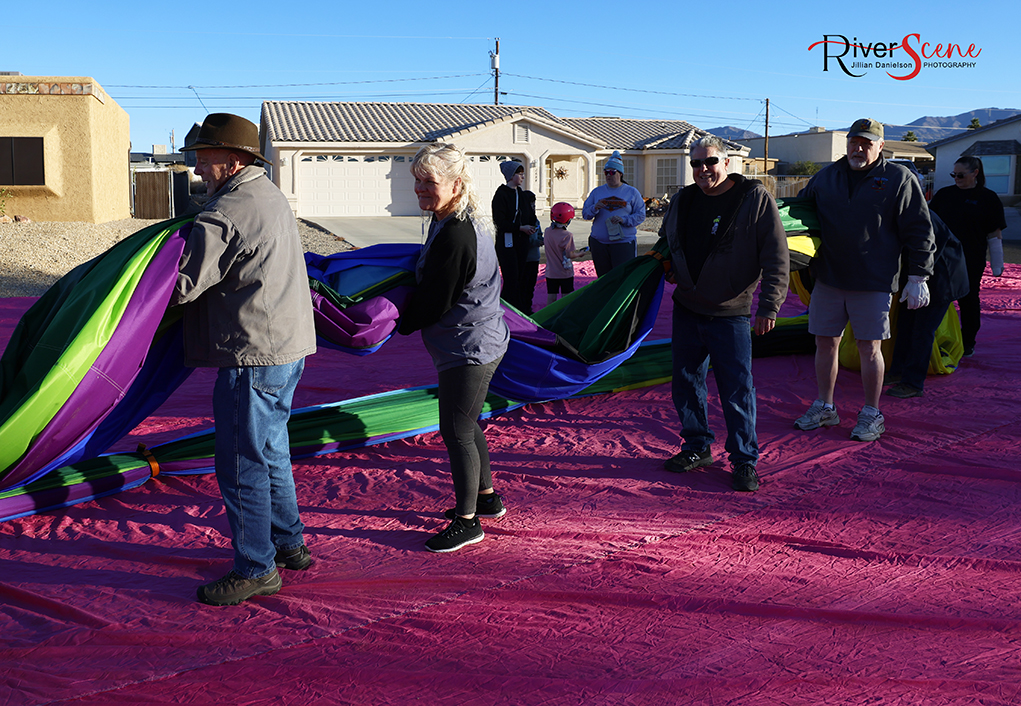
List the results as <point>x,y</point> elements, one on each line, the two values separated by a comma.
<point>727,341</point>
<point>251,406</point>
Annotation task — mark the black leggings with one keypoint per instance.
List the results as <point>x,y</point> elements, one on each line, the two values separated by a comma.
<point>462,392</point>
<point>970,304</point>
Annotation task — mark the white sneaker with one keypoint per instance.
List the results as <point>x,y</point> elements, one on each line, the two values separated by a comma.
<point>870,426</point>
<point>818,415</point>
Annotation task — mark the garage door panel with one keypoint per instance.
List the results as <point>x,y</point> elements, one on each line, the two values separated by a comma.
<point>375,185</point>
<point>345,185</point>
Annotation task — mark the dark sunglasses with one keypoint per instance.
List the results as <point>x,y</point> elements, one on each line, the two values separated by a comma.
<point>708,161</point>
<point>958,175</point>
<point>608,172</point>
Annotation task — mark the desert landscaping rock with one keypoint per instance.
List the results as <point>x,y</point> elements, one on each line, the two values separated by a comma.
<point>35,255</point>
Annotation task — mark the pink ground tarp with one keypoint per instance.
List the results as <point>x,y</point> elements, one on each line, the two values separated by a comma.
<point>860,573</point>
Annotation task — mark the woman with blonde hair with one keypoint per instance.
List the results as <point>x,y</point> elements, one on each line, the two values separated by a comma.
<point>457,308</point>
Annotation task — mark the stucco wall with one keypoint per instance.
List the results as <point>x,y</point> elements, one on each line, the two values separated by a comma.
<point>542,145</point>
<point>86,141</point>
<point>946,156</point>
<point>819,147</point>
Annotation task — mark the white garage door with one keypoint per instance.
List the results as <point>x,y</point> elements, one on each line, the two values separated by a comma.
<point>485,170</point>
<point>331,185</point>
<point>355,185</point>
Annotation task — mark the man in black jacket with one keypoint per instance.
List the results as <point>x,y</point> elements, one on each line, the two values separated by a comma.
<point>916,328</point>
<point>725,234</point>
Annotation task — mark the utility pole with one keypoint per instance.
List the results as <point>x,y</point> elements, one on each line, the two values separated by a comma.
<point>494,60</point>
<point>765,165</point>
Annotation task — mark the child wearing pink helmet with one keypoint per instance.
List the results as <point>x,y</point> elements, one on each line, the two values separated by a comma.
<point>559,244</point>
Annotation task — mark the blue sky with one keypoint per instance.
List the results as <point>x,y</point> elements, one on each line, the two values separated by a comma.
<point>672,60</point>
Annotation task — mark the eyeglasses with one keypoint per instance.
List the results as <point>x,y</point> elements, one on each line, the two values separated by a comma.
<point>708,161</point>
<point>958,175</point>
<point>608,172</point>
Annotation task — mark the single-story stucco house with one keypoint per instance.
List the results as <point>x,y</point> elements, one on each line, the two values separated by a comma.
<point>352,159</point>
<point>999,147</point>
<point>823,147</point>
<point>64,147</point>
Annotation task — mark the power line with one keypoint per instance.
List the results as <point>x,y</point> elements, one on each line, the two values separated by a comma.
<point>792,115</point>
<point>200,99</point>
<point>649,109</point>
<point>477,89</point>
<point>634,90</point>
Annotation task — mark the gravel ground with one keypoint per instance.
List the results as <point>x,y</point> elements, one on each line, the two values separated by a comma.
<point>35,255</point>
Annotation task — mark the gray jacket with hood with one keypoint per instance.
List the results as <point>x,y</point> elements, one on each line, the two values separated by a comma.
<point>242,279</point>
<point>752,245</point>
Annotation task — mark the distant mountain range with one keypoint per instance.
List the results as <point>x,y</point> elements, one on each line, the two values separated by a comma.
<point>926,129</point>
<point>733,133</point>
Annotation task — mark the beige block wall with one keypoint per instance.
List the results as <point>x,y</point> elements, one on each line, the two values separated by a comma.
<point>86,141</point>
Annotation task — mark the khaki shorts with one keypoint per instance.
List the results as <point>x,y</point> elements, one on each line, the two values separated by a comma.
<point>831,309</point>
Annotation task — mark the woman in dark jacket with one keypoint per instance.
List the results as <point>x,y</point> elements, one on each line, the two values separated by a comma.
<point>516,225</point>
<point>457,309</point>
<point>975,215</point>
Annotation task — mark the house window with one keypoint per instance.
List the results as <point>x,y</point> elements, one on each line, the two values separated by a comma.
<point>21,161</point>
<point>522,133</point>
<point>997,169</point>
<point>666,176</point>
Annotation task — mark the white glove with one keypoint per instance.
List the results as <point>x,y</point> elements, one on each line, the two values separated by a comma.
<point>996,256</point>
<point>916,292</point>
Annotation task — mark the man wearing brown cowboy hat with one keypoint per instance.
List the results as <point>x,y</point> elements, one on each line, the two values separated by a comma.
<point>247,311</point>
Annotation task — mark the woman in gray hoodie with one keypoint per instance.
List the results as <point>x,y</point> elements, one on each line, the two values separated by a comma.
<point>457,309</point>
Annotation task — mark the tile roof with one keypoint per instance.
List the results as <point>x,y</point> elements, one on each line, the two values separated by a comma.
<point>985,148</point>
<point>631,134</point>
<point>299,121</point>
<point>304,121</point>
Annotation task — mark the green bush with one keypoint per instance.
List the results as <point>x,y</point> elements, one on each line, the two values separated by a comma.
<point>803,168</point>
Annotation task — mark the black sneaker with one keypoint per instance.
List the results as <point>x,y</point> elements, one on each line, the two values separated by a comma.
<point>489,506</point>
<point>460,533</point>
<point>233,588</point>
<point>744,478</point>
<point>904,391</point>
<point>297,559</point>
<point>688,461</point>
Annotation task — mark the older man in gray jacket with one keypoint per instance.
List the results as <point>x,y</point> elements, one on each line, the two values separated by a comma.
<point>248,312</point>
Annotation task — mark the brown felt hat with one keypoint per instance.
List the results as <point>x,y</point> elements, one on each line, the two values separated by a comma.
<point>228,132</point>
